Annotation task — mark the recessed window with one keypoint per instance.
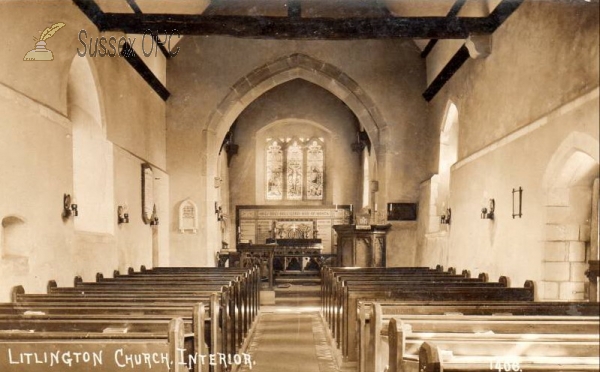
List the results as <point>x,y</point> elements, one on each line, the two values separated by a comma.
<point>295,169</point>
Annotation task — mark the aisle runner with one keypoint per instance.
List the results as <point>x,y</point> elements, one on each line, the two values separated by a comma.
<point>293,342</point>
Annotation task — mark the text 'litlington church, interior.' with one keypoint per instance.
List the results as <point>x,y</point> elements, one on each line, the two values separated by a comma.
<point>299,185</point>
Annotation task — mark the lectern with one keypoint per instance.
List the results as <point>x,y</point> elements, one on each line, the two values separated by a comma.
<point>361,245</point>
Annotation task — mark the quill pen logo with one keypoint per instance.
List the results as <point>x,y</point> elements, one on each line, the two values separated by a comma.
<point>40,53</point>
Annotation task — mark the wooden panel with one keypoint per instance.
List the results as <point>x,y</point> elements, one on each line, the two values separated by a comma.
<point>256,222</point>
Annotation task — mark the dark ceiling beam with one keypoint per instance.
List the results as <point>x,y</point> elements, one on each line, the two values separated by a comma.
<point>133,5</point>
<point>144,71</point>
<point>497,17</point>
<point>98,17</point>
<point>92,11</point>
<point>452,13</point>
<point>300,28</point>
<point>137,10</point>
<point>447,72</point>
<point>428,48</point>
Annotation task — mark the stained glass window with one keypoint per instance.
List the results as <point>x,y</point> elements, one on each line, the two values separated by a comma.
<point>274,171</point>
<point>314,171</point>
<point>294,171</point>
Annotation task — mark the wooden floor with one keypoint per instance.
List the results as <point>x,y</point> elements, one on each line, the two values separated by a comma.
<point>291,335</point>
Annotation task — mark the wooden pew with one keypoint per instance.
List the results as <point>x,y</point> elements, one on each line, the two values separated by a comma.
<point>220,320</point>
<point>374,317</point>
<point>480,355</point>
<point>246,285</point>
<point>347,319</point>
<point>332,296</point>
<point>411,331</point>
<point>244,293</point>
<point>97,351</point>
<point>144,299</point>
<point>415,280</point>
<point>222,333</point>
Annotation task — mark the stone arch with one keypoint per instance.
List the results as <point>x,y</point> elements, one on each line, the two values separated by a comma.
<point>296,66</point>
<point>568,188</point>
<point>576,142</point>
<point>91,101</point>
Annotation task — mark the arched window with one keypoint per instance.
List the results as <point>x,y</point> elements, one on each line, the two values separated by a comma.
<point>295,169</point>
<point>92,153</point>
<point>448,154</point>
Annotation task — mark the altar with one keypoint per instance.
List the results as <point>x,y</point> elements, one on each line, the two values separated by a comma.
<point>281,256</point>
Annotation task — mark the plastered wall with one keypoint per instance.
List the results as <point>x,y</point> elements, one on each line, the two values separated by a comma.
<point>517,107</point>
<point>37,152</point>
<point>208,69</point>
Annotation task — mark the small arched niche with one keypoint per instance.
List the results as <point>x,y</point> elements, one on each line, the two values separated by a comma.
<point>15,243</point>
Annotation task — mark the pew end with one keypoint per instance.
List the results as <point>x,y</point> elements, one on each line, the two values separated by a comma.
<point>484,277</point>
<point>200,345</point>
<point>116,273</point>
<point>51,284</point>
<point>504,280</point>
<point>452,270</point>
<point>16,291</point>
<point>77,280</point>
<point>439,268</point>
<point>143,269</point>
<point>130,271</point>
<point>99,277</point>
<point>176,336</point>
<point>466,273</point>
<point>429,358</point>
<point>529,284</point>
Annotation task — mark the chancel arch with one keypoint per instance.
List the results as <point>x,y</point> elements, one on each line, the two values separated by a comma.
<point>569,186</point>
<point>277,73</point>
<point>92,153</point>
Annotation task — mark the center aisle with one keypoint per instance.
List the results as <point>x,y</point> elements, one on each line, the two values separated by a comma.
<point>291,341</point>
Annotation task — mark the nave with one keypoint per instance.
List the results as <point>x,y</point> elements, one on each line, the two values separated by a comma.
<point>211,319</point>
<point>430,168</point>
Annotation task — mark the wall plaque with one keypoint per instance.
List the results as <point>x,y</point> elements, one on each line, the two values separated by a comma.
<point>147,193</point>
<point>188,216</point>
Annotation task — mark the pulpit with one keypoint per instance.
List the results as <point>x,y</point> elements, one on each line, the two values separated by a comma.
<point>361,245</point>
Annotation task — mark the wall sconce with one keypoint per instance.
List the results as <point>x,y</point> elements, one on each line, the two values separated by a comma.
<point>154,217</point>
<point>362,141</point>
<point>446,217</point>
<point>518,210</point>
<point>219,212</point>
<point>122,214</point>
<point>488,213</point>
<point>69,207</point>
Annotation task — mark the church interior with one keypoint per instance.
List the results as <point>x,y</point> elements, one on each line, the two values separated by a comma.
<point>302,185</point>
